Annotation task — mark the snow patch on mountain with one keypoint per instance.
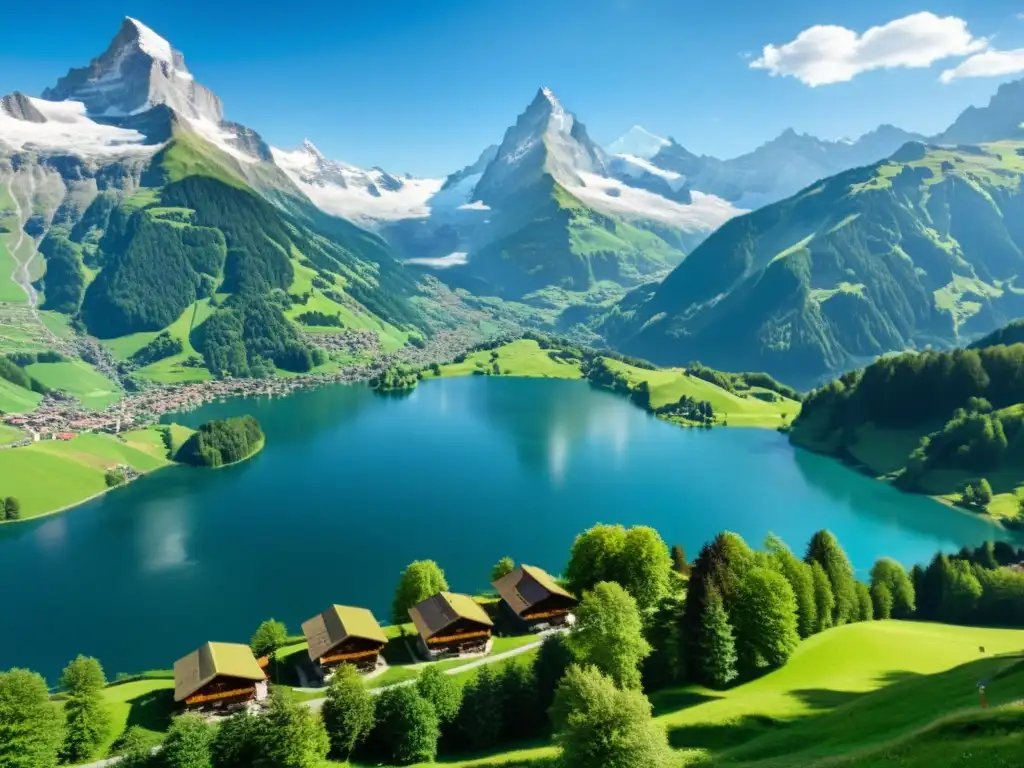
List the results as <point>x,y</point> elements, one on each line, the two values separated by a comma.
<point>366,197</point>
<point>638,142</point>
<point>704,214</point>
<point>635,167</point>
<point>152,43</point>
<point>68,129</point>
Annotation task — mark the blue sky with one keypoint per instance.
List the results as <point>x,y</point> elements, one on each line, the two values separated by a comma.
<point>422,86</point>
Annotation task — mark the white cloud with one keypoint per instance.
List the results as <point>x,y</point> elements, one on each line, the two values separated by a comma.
<point>987,64</point>
<point>823,54</point>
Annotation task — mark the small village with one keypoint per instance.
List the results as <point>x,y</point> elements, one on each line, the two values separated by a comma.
<point>218,678</point>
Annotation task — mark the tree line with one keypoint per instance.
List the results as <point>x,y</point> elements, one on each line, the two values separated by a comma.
<point>647,618</point>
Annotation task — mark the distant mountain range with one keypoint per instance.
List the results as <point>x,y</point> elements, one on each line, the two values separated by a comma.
<point>925,248</point>
<point>148,208</point>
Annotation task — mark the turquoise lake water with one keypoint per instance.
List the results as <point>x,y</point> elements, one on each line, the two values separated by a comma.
<point>352,486</point>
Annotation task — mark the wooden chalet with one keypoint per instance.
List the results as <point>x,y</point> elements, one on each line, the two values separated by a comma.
<point>219,676</point>
<point>450,623</point>
<point>344,635</point>
<point>534,597</point>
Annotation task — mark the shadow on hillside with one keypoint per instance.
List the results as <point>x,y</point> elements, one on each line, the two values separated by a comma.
<point>150,712</point>
<point>823,699</point>
<point>719,736</point>
<point>673,700</point>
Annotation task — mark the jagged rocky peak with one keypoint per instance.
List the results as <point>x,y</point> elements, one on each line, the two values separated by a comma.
<point>474,170</point>
<point>20,107</point>
<point>139,70</point>
<point>546,139</point>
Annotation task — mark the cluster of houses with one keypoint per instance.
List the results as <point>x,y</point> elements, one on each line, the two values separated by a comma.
<point>222,676</point>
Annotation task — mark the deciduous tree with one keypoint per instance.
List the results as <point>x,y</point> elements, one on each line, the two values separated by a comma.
<point>348,712</point>
<point>887,571</point>
<point>269,636</point>
<point>421,579</point>
<point>85,712</point>
<point>608,634</point>
<point>825,550</point>
<point>480,716</point>
<point>407,727</point>
<point>881,599</point>
<point>293,735</point>
<point>645,568</point>
<point>442,692</point>
<point>188,743</point>
<point>503,567</point>
<point>595,557</point>
<point>824,600</point>
<point>865,603</point>
<point>31,729</point>
<point>553,659</point>
<point>765,620</point>
<point>679,562</point>
<point>238,742</point>
<point>598,724</point>
<point>800,578</point>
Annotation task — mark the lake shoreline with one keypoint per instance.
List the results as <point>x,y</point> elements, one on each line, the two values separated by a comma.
<point>93,497</point>
<point>851,462</point>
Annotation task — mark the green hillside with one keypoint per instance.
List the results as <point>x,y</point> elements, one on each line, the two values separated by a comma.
<point>969,428</point>
<point>922,249</point>
<point>549,239</point>
<point>199,252</point>
<point>874,693</point>
<point>751,400</point>
<point>81,464</point>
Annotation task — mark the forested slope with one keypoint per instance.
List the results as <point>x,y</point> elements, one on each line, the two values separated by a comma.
<point>922,249</point>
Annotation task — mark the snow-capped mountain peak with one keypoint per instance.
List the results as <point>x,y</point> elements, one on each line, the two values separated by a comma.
<point>310,149</point>
<point>638,142</point>
<point>151,43</point>
<point>138,71</point>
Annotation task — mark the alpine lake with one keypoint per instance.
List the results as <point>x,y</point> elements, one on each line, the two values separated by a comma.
<point>352,486</point>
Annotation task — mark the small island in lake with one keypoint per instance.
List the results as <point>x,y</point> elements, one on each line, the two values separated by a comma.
<point>397,378</point>
<point>222,442</point>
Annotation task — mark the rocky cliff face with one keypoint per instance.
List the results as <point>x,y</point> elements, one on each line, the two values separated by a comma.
<point>139,70</point>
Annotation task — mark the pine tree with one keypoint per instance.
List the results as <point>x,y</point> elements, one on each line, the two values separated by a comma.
<point>679,563</point>
<point>717,664</point>
<point>800,578</point>
<point>867,607</point>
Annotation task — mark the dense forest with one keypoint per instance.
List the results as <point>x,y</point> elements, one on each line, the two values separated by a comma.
<point>968,406</point>
<point>163,346</point>
<point>249,336</point>
<point>13,372</point>
<point>64,282</point>
<point>221,442</point>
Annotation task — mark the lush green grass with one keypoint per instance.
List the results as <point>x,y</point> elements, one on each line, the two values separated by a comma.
<point>147,704</point>
<point>519,358</point>
<point>169,370</point>
<point>28,473</point>
<point>10,435</point>
<point>79,379</point>
<point>15,399</point>
<point>10,291</point>
<point>668,385</point>
<point>391,338</point>
<point>859,687</point>
<point>57,323</point>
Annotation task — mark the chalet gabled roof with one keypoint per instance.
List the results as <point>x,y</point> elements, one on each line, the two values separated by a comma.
<point>338,623</point>
<point>214,660</point>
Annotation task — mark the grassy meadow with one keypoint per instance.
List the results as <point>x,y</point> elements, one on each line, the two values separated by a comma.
<point>77,378</point>
<point>81,464</point>
<point>884,693</point>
